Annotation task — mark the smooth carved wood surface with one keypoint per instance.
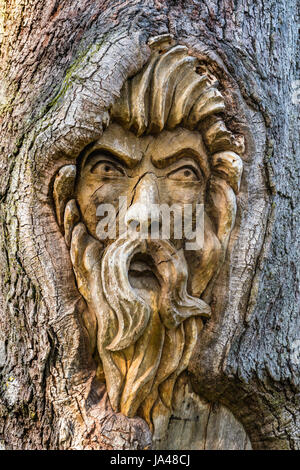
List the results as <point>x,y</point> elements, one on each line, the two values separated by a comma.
<point>199,425</point>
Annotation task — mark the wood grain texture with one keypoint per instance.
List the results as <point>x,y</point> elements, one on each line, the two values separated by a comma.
<point>245,357</point>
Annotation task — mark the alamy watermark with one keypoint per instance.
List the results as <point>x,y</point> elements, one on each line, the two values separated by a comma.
<point>155,221</point>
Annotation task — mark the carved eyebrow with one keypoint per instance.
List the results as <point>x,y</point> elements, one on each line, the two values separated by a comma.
<point>115,154</point>
<point>162,161</point>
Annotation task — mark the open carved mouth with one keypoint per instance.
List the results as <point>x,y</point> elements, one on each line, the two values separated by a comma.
<point>142,272</point>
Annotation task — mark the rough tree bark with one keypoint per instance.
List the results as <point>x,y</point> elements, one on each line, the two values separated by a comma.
<point>247,357</point>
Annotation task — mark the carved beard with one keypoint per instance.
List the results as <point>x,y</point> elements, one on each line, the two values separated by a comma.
<point>146,336</point>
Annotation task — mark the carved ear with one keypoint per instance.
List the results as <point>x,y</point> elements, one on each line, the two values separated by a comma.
<point>221,207</point>
<point>71,218</point>
<point>227,168</point>
<point>63,191</point>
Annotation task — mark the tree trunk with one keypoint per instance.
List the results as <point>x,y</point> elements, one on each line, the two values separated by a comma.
<point>244,373</point>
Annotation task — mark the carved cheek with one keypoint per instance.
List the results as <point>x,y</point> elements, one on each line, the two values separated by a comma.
<point>180,192</point>
<point>92,192</point>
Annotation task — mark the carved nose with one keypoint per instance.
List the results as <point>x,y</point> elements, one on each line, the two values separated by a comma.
<point>144,211</point>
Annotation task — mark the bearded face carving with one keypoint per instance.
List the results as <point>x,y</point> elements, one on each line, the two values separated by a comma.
<point>166,145</point>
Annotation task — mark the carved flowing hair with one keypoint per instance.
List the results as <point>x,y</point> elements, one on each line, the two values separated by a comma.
<point>174,90</point>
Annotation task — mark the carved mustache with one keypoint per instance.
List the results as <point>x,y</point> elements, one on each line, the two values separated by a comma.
<point>131,310</point>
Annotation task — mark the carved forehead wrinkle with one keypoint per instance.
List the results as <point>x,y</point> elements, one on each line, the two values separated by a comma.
<point>123,143</point>
<point>169,143</point>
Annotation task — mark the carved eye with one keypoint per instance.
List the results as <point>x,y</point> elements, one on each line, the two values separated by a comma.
<point>185,173</point>
<point>107,169</point>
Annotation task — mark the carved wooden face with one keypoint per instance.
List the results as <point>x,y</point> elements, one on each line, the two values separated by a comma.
<point>143,305</point>
<point>170,168</point>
